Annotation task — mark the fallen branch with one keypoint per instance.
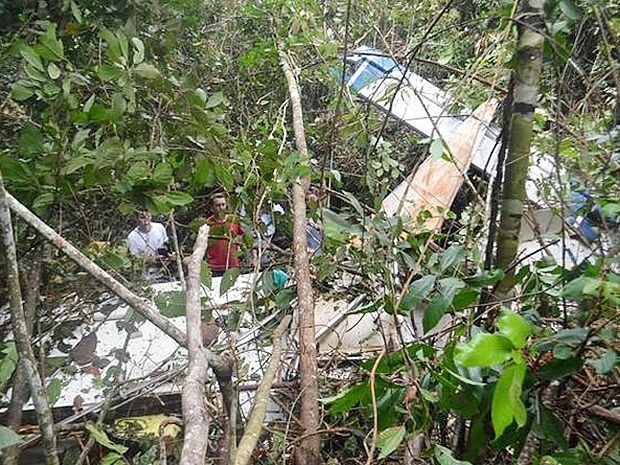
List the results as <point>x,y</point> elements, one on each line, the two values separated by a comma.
<point>255,422</point>
<point>605,414</point>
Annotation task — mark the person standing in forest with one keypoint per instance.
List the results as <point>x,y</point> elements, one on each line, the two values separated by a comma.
<point>224,237</point>
<point>148,241</point>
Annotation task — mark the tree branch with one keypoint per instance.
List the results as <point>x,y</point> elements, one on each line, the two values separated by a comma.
<point>255,422</point>
<point>195,416</point>
<point>309,453</point>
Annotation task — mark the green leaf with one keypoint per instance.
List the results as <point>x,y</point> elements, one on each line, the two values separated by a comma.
<point>611,209</point>
<point>171,304</point>
<point>465,298</point>
<point>102,438</point>
<point>80,137</point>
<point>583,285</point>
<point>54,389</point>
<point>345,401</point>
<point>571,337</point>
<point>570,10</point>
<point>113,49</point>
<point>115,260</point>
<point>35,75</point>
<point>174,198</point>
<point>389,439</point>
<point>30,140</point>
<point>484,350</point>
<point>205,274</point>
<point>108,73</point>
<point>113,459</point>
<point>8,363</point>
<point>444,456</point>
<point>162,174</point>
<point>44,200</point>
<point>417,292</point>
<point>146,71</point>
<point>485,278</point>
<point>8,437</point>
<point>199,97</point>
<point>51,43</point>
<point>20,92</point>
<point>123,45</point>
<point>138,55</point>
<point>440,302</point>
<point>204,175</point>
<point>75,11</point>
<point>214,100</point>
<point>560,368</point>
<point>118,103</point>
<point>562,352</point>
<point>604,364</point>
<point>452,256</point>
<point>31,57</point>
<point>53,71</point>
<point>507,405</point>
<point>228,280</point>
<point>357,206</point>
<point>547,426</point>
<point>436,149</point>
<point>515,328</point>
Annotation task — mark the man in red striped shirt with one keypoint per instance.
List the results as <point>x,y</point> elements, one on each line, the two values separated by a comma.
<point>225,236</point>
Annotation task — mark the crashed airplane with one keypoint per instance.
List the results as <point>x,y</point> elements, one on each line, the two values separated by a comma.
<point>471,142</point>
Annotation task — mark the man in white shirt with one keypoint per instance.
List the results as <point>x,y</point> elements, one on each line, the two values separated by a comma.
<point>147,239</point>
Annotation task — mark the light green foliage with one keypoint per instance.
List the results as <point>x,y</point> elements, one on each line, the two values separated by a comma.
<point>8,364</point>
<point>500,349</point>
<point>8,437</point>
<point>484,350</point>
<point>507,403</point>
<point>102,438</point>
<point>389,439</point>
<point>444,456</point>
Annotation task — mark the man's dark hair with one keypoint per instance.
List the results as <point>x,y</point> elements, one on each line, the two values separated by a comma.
<point>217,195</point>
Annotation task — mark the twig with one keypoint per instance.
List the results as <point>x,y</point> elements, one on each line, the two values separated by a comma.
<point>375,413</point>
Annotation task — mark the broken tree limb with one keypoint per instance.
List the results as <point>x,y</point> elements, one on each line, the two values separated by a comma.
<point>259,409</point>
<point>21,334</point>
<point>195,415</point>
<point>606,414</point>
<point>309,449</point>
<point>145,307</point>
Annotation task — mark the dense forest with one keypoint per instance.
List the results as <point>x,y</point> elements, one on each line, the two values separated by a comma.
<point>111,107</point>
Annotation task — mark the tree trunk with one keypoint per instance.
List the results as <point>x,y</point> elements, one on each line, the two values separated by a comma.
<point>20,390</point>
<point>309,448</point>
<point>529,52</point>
<point>27,361</point>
